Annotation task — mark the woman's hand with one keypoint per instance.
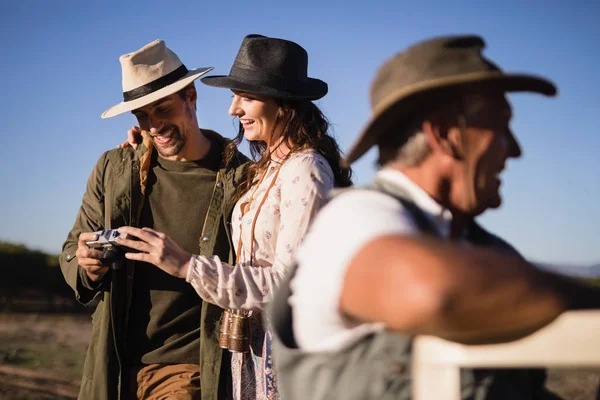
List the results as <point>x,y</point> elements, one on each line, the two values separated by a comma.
<point>134,137</point>
<point>156,248</point>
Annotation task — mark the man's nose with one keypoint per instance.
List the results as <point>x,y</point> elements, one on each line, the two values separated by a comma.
<point>514,149</point>
<point>155,123</point>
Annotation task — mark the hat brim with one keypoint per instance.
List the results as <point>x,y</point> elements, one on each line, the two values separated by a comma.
<point>313,90</point>
<point>400,105</point>
<point>168,90</point>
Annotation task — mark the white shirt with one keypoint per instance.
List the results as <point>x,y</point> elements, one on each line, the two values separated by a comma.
<point>299,191</point>
<point>342,228</point>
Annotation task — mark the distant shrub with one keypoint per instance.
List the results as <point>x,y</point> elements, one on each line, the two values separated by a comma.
<point>595,281</point>
<point>32,279</point>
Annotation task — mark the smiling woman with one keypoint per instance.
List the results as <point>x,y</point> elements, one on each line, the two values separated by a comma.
<point>259,115</point>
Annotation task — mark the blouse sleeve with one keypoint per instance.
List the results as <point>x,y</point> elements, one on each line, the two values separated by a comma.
<point>305,182</point>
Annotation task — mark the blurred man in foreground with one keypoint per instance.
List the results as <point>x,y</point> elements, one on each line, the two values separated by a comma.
<point>405,257</point>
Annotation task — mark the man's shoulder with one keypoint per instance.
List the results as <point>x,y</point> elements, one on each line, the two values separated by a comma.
<point>480,235</point>
<point>125,154</point>
<point>367,197</point>
<point>358,207</point>
<point>236,158</point>
<point>240,159</point>
<point>113,155</point>
<point>117,160</point>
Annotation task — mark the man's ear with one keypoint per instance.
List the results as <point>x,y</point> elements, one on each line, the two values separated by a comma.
<point>437,137</point>
<point>456,141</point>
<point>191,95</point>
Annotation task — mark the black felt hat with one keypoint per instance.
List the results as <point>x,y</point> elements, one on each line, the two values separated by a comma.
<point>272,67</point>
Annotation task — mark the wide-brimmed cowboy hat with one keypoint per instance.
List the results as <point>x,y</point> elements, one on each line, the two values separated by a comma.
<point>272,67</point>
<point>149,74</point>
<point>429,72</point>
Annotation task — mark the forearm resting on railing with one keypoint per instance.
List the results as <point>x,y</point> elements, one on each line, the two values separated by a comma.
<point>456,291</point>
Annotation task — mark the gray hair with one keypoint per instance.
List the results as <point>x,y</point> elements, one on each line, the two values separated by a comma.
<point>408,145</point>
<point>414,151</point>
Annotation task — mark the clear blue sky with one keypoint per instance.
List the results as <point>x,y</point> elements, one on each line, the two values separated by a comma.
<point>60,71</point>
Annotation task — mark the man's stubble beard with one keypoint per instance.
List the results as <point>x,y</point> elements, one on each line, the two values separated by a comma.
<point>177,144</point>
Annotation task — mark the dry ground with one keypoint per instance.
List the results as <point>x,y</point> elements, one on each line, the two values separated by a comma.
<point>41,357</point>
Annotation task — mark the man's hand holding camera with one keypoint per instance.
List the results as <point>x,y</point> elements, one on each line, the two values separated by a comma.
<point>90,258</point>
<point>155,248</point>
<point>98,251</point>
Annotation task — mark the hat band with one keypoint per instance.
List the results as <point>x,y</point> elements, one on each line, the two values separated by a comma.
<point>156,84</point>
<point>261,78</point>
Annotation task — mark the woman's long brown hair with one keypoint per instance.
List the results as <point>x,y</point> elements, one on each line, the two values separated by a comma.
<point>305,127</point>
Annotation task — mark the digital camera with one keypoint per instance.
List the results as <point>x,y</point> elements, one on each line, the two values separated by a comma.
<point>112,252</point>
<point>106,238</point>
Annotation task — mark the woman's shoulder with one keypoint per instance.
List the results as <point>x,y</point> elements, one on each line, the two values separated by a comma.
<point>307,159</point>
<point>308,162</point>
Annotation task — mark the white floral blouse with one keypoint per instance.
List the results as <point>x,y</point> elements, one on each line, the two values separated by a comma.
<point>300,189</point>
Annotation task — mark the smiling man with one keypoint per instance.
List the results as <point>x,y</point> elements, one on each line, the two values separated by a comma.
<point>405,256</point>
<point>153,337</point>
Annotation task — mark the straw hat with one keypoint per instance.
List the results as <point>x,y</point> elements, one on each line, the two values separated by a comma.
<point>149,74</point>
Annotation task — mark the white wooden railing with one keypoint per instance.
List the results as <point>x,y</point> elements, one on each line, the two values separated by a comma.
<point>572,340</point>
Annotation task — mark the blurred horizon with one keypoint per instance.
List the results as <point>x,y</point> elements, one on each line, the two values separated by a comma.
<point>61,71</point>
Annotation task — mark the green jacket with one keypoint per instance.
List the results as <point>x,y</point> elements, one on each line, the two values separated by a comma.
<point>114,198</point>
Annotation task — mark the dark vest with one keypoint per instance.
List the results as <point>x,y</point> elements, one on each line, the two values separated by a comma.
<point>378,366</point>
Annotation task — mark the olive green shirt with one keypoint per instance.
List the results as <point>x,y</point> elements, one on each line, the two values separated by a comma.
<point>166,310</point>
<point>114,197</point>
